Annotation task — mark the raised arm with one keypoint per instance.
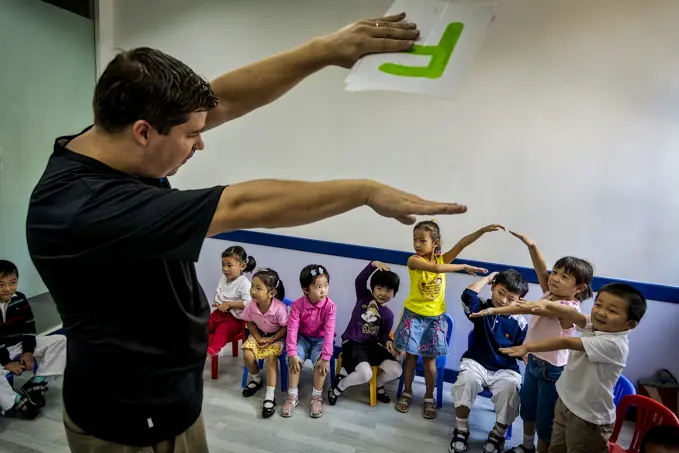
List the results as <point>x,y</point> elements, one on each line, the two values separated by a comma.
<point>260,83</point>
<point>269,203</point>
<point>416,262</point>
<point>552,344</point>
<point>470,297</point>
<point>362,282</point>
<point>469,239</point>
<point>539,263</point>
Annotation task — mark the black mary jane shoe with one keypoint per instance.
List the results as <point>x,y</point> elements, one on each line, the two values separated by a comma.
<point>382,396</point>
<point>268,411</point>
<point>332,397</point>
<point>252,388</point>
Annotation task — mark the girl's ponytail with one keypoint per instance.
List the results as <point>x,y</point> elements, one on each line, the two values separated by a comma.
<point>250,264</point>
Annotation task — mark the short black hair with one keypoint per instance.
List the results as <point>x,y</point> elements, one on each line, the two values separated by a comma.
<point>660,435</point>
<point>636,302</point>
<point>581,270</point>
<point>513,282</point>
<point>147,84</point>
<point>272,281</point>
<point>310,273</point>
<point>8,268</point>
<point>386,279</point>
<point>238,251</point>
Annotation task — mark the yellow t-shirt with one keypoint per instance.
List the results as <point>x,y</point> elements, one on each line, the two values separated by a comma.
<point>427,291</point>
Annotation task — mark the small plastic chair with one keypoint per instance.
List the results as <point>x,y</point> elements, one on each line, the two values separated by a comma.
<point>440,367</point>
<point>373,379</point>
<point>485,392</point>
<point>649,413</point>
<point>622,388</point>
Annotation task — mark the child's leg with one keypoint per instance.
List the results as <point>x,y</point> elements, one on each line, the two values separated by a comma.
<point>226,330</point>
<point>391,370</point>
<point>271,375</point>
<point>470,381</point>
<point>571,433</point>
<point>361,374</point>
<point>254,376</point>
<point>558,442</point>
<point>303,350</point>
<point>504,385</point>
<point>529,406</point>
<point>409,372</point>
<point>547,397</point>
<point>50,353</point>
<point>8,397</point>
<point>213,322</point>
<point>429,376</point>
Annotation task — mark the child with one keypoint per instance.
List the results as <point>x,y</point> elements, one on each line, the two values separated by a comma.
<point>311,335</point>
<point>20,347</point>
<point>569,283</point>
<point>585,409</point>
<point>661,439</point>
<point>267,320</point>
<point>483,365</point>
<point>233,294</point>
<point>366,342</point>
<point>421,331</point>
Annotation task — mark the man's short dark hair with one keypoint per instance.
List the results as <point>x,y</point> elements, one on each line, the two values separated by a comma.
<point>636,301</point>
<point>513,282</point>
<point>8,268</point>
<point>661,436</point>
<point>147,84</point>
<point>386,279</point>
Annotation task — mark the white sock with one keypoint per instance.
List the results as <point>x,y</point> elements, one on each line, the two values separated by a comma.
<point>529,441</point>
<point>293,392</point>
<point>317,392</point>
<point>462,424</point>
<point>255,377</point>
<point>270,393</point>
<point>497,429</point>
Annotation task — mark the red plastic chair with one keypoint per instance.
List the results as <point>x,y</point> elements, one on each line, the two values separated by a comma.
<point>234,351</point>
<point>649,413</point>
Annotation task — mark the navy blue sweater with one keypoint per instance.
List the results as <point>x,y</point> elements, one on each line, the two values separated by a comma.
<point>491,333</point>
<point>17,326</point>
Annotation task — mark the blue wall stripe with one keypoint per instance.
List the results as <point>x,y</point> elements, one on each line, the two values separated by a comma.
<point>651,291</point>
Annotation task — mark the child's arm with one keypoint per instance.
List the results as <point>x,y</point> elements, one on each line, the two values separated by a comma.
<point>329,333</point>
<point>567,315</point>
<point>293,329</point>
<point>280,334</point>
<point>254,332</point>
<point>470,297</point>
<point>539,263</point>
<point>468,240</point>
<point>416,262</point>
<point>552,344</point>
<point>361,282</point>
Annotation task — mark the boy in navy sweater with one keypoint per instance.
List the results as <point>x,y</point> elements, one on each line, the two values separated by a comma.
<point>483,366</point>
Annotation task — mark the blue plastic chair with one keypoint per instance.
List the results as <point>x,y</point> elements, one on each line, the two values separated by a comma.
<point>485,392</point>
<point>283,360</point>
<point>440,367</point>
<point>622,388</point>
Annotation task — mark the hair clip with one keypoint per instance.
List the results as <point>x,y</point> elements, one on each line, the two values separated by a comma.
<point>320,270</point>
<point>277,282</point>
<point>313,272</point>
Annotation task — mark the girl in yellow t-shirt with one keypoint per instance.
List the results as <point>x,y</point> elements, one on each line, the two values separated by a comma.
<point>421,331</point>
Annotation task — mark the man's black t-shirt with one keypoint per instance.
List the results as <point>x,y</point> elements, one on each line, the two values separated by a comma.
<point>117,254</point>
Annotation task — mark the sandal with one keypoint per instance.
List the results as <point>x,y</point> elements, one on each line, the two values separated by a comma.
<point>382,395</point>
<point>252,388</point>
<point>429,409</point>
<point>268,408</point>
<point>403,404</point>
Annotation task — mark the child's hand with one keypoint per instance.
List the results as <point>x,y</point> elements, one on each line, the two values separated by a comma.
<point>525,239</point>
<point>491,228</point>
<point>322,367</point>
<point>224,307</point>
<point>539,308</point>
<point>473,270</point>
<point>515,351</point>
<point>15,367</point>
<point>380,265</point>
<point>392,350</point>
<point>295,364</point>
<point>491,277</point>
<point>482,313</point>
<point>27,360</point>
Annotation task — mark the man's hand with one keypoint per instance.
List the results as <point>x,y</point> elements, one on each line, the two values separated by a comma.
<point>15,367</point>
<point>295,364</point>
<point>380,265</point>
<point>385,34</point>
<point>322,367</point>
<point>515,351</point>
<point>525,239</point>
<point>473,270</point>
<point>403,206</point>
<point>27,360</point>
<point>226,306</point>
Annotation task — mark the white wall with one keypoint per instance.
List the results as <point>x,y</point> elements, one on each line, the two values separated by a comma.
<point>565,129</point>
<point>652,344</point>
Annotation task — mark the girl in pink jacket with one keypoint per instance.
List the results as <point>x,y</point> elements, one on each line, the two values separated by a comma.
<point>311,335</point>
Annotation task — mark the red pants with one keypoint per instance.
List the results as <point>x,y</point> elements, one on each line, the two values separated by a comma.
<point>223,329</point>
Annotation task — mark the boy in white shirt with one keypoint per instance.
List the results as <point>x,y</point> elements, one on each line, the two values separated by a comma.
<point>585,412</point>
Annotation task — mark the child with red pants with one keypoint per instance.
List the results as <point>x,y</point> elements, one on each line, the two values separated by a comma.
<point>233,293</point>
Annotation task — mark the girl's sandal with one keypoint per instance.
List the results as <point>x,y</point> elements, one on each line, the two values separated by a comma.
<point>403,404</point>
<point>429,409</point>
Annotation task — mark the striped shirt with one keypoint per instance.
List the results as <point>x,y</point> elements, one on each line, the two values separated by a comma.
<point>17,326</point>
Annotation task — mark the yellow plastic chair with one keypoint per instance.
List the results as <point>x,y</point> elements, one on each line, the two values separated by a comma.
<point>373,380</point>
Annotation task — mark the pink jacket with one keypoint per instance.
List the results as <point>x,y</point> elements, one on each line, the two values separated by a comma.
<point>312,321</point>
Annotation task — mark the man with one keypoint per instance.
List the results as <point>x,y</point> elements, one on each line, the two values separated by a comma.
<point>116,246</point>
